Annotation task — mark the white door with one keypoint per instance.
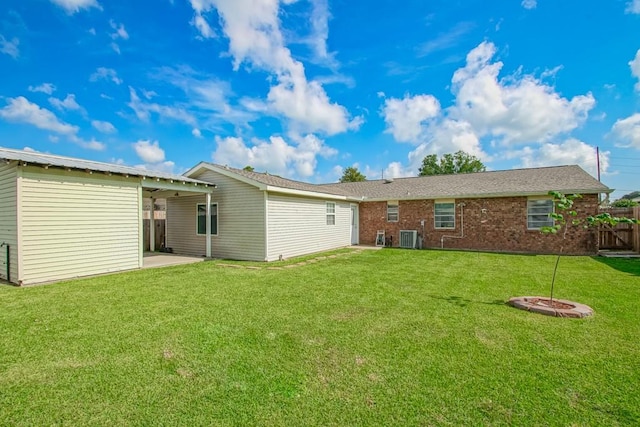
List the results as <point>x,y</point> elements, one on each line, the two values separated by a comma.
<point>354,225</point>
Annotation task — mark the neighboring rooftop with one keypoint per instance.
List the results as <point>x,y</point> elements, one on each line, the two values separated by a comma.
<point>534,181</point>
<point>34,157</point>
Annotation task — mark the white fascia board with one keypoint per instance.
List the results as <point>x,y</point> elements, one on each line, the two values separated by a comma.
<point>162,184</point>
<point>312,194</point>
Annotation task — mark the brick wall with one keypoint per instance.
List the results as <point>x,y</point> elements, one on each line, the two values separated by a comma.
<point>491,224</point>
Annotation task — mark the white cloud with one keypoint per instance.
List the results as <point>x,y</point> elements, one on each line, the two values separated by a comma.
<point>119,31</point>
<point>529,4</point>
<point>143,110</point>
<point>149,151</point>
<point>516,109</point>
<point>103,73</point>
<point>115,47</point>
<point>255,37</point>
<point>104,127</point>
<point>69,103</point>
<point>627,131</point>
<point>633,7</point>
<point>635,67</point>
<point>47,88</point>
<point>320,16</point>
<point>21,110</point>
<point>446,39</point>
<point>397,170</point>
<point>73,6</point>
<point>92,144</point>
<point>405,118</point>
<point>203,26</point>
<point>570,152</point>
<point>275,156</point>
<point>166,166</point>
<point>196,132</point>
<point>10,47</point>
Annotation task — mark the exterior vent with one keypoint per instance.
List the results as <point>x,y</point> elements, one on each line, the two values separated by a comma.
<point>408,239</point>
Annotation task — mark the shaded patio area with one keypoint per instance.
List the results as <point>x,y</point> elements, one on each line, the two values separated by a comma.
<point>155,259</point>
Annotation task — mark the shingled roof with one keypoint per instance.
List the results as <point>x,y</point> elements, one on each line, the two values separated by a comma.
<point>515,182</point>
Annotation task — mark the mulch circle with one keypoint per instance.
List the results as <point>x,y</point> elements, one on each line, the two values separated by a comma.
<point>559,307</point>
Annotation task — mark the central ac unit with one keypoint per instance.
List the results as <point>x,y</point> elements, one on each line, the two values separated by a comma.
<point>408,239</point>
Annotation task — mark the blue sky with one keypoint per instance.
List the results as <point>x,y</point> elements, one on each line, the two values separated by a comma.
<point>305,88</point>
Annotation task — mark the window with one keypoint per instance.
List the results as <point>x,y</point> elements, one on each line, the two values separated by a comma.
<point>392,211</point>
<point>202,219</point>
<point>331,213</point>
<point>445,215</point>
<point>538,213</point>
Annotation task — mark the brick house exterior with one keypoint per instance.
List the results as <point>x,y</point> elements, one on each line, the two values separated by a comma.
<point>487,224</point>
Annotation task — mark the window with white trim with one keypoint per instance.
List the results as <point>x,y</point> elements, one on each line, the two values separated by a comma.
<point>331,213</point>
<point>444,214</point>
<point>538,211</point>
<point>393,211</point>
<point>201,220</point>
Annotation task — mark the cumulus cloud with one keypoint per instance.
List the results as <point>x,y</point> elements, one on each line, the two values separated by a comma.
<point>103,73</point>
<point>275,155</point>
<point>570,152</point>
<point>149,151</point>
<point>10,47</point>
<point>529,4</point>
<point>635,68</point>
<point>633,7</point>
<point>255,38</point>
<point>405,118</point>
<point>69,103</point>
<point>47,88</point>
<point>196,132</point>
<point>516,109</point>
<point>627,131</point>
<point>21,110</point>
<point>104,127</point>
<point>74,6</point>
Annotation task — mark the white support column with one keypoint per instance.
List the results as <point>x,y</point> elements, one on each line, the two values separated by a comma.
<point>208,222</point>
<point>152,228</point>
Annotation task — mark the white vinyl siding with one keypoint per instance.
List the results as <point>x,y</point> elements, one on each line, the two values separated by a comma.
<point>240,221</point>
<point>8,221</point>
<point>445,214</point>
<point>75,224</point>
<point>538,211</point>
<point>297,226</point>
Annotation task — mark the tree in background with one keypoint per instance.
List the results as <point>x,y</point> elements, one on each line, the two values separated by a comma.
<point>624,203</point>
<point>248,168</point>
<point>459,162</point>
<point>352,174</point>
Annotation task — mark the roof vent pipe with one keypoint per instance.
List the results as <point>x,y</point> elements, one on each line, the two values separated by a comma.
<point>388,180</point>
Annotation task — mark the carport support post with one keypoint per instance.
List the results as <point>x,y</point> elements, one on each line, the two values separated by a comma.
<point>152,228</point>
<point>208,225</point>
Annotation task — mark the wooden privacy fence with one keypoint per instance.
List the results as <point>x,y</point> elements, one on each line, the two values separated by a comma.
<point>622,236</point>
<point>159,234</point>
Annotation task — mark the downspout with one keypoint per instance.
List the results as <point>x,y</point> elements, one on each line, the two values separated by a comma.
<point>462,205</point>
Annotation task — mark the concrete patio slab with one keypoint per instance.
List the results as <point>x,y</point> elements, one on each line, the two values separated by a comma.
<point>154,259</point>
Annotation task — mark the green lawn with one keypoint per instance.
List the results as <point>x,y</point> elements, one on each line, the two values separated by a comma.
<point>390,337</point>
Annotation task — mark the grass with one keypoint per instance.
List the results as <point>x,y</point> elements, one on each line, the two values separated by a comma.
<point>391,337</point>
